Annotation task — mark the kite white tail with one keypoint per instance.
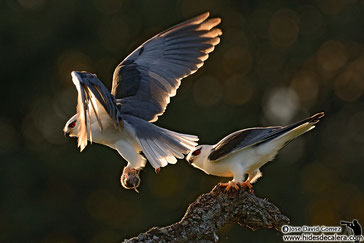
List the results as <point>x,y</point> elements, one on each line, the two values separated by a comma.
<point>159,145</point>
<point>286,134</point>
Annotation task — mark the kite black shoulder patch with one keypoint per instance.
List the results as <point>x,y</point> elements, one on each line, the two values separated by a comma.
<point>238,140</point>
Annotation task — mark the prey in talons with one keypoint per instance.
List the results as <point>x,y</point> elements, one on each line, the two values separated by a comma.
<point>130,178</point>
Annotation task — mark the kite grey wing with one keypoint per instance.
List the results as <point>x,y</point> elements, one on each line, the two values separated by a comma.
<point>239,140</point>
<point>144,82</point>
<point>91,93</point>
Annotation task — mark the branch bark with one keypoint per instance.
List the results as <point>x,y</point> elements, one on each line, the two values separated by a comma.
<point>211,211</point>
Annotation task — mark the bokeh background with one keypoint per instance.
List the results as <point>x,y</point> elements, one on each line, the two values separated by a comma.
<point>278,62</point>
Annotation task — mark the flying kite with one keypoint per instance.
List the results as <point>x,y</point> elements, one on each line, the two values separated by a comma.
<point>141,89</point>
<point>245,151</point>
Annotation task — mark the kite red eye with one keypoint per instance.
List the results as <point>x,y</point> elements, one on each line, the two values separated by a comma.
<point>72,124</point>
<point>196,152</point>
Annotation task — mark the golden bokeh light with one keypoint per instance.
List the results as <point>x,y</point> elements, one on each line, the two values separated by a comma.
<point>237,60</point>
<point>306,84</point>
<point>238,90</point>
<point>331,56</point>
<point>349,84</point>
<point>284,28</point>
<point>348,87</point>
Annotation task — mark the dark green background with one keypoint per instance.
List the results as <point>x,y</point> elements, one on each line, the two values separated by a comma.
<point>278,62</point>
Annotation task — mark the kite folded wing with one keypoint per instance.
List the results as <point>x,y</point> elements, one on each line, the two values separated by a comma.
<point>253,136</point>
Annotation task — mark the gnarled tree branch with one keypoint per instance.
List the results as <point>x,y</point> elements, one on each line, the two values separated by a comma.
<point>211,211</point>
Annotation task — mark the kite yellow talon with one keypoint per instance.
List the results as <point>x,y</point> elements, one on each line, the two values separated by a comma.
<point>230,184</point>
<point>247,184</point>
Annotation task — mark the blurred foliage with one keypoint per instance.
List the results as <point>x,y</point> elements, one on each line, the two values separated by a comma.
<point>278,62</point>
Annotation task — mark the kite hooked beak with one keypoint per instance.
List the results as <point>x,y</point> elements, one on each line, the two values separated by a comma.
<point>190,161</point>
<point>66,134</point>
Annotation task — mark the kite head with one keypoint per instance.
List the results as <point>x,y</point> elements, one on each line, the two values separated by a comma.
<point>130,178</point>
<point>197,156</point>
<point>70,129</point>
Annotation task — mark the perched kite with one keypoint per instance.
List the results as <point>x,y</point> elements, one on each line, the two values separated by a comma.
<point>245,151</point>
<point>141,89</point>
